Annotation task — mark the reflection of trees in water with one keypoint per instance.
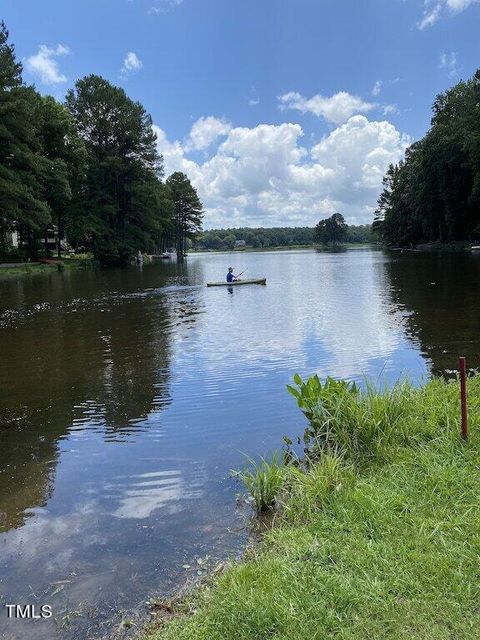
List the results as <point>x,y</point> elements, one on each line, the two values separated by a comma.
<point>134,371</point>
<point>99,363</point>
<point>441,290</point>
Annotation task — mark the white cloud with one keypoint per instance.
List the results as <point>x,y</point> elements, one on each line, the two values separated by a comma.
<point>448,62</point>
<point>162,6</point>
<point>390,109</point>
<point>264,176</point>
<point>254,99</point>
<point>460,5</point>
<point>44,65</point>
<point>131,64</point>
<point>430,17</point>
<point>205,131</point>
<point>433,10</point>
<point>337,108</point>
<point>377,88</point>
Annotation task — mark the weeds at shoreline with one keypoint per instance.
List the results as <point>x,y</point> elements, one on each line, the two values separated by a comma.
<point>264,481</point>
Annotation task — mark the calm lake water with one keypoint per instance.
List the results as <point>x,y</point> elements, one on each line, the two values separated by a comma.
<point>126,396</point>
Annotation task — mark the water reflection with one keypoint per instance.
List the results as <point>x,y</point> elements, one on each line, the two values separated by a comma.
<point>438,294</point>
<point>143,493</point>
<point>77,363</point>
<point>329,313</point>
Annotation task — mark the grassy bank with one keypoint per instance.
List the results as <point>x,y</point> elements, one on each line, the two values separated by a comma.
<point>378,537</point>
<point>27,269</point>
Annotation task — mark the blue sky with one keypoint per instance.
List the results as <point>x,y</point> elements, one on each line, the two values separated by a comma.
<point>280,111</point>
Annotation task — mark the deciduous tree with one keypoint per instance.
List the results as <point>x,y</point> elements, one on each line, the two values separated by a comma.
<point>331,230</point>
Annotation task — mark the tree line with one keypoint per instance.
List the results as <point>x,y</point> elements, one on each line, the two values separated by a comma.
<point>88,166</point>
<point>262,237</point>
<point>433,194</point>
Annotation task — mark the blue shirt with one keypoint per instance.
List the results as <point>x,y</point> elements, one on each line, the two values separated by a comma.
<point>230,277</point>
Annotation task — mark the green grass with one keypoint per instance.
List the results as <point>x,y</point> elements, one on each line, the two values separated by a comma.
<point>27,269</point>
<point>264,481</point>
<point>76,262</point>
<point>377,542</point>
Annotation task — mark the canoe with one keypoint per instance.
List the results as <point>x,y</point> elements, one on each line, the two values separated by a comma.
<point>233,284</point>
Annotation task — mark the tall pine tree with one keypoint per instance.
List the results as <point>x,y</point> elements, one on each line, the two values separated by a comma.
<point>121,208</point>
<point>188,210</point>
<point>22,204</point>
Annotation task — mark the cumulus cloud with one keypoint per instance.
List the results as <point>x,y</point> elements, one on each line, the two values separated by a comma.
<point>337,108</point>
<point>131,64</point>
<point>433,10</point>
<point>265,176</point>
<point>205,131</point>
<point>44,65</point>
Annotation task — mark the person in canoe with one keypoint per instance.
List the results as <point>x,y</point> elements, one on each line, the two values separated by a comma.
<point>231,277</point>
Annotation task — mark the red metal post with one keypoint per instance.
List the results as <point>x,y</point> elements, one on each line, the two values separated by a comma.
<point>463,396</point>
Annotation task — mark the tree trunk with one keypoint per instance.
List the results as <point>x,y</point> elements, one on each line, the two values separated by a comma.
<point>59,249</point>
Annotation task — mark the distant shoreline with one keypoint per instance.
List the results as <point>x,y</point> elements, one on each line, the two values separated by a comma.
<point>350,245</point>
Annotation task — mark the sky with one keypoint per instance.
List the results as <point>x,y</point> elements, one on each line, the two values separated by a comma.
<point>281,112</point>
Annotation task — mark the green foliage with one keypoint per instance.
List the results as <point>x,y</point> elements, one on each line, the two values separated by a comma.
<point>344,420</point>
<point>187,208</point>
<point>10,69</point>
<point>264,481</point>
<point>22,204</point>
<point>88,170</point>
<point>434,194</point>
<point>310,489</point>
<point>332,230</point>
<point>361,233</point>
<point>262,238</point>
<point>120,208</point>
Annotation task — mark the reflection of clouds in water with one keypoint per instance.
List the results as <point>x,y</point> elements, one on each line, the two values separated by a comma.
<point>50,535</point>
<point>302,321</point>
<point>154,490</point>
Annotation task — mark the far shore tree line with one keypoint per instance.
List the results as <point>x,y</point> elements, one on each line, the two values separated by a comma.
<point>263,238</point>
<point>87,168</point>
<point>433,194</point>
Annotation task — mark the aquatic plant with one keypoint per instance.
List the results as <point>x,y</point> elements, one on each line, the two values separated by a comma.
<point>264,480</point>
<point>348,421</point>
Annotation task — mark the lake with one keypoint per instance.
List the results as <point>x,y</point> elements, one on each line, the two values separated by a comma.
<point>127,396</point>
